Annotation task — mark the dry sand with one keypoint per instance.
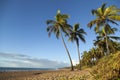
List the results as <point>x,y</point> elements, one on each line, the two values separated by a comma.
<point>47,75</point>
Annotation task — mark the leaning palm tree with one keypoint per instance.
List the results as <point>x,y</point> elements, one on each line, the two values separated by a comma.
<point>58,26</point>
<point>104,16</point>
<point>76,34</point>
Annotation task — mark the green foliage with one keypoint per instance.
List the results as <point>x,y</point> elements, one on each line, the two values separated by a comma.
<point>108,68</point>
<point>75,34</point>
<point>59,26</point>
<point>105,15</point>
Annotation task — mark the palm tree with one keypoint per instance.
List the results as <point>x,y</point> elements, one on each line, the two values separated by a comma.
<point>87,58</point>
<point>58,26</point>
<point>94,55</point>
<point>101,39</point>
<point>101,46</point>
<point>116,45</point>
<point>76,34</point>
<point>105,15</point>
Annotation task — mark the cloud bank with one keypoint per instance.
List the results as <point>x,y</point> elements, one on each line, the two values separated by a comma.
<point>18,60</point>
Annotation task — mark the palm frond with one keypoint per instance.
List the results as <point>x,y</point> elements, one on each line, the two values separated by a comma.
<point>108,10</point>
<point>57,33</point>
<point>91,23</point>
<point>96,29</point>
<point>114,10</point>
<point>99,37</point>
<point>103,7</point>
<point>65,16</point>
<point>50,22</point>
<point>76,26</point>
<point>115,17</point>
<point>50,30</point>
<point>111,21</point>
<point>71,38</point>
<point>114,29</point>
<point>114,37</point>
<point>65,29</point>
<point>96,42</point>
<point>95,12</point>
<point>108,29</point>
<point>68,26</point>
<point>82,38</point>
<point>81,31</point>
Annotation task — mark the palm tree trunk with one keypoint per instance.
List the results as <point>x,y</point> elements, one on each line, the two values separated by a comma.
<point>72,68</point>
<point>108,51</point>
<point>78,56</point>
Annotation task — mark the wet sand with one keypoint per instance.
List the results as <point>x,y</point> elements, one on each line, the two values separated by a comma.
<point>47,75</point>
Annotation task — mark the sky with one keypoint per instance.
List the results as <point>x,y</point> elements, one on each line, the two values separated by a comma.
<point>24,41</point>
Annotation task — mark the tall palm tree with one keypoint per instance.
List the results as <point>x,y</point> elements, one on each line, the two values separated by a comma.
<point>58,26</point>
<point>76,34</point>
<point>105,15</point>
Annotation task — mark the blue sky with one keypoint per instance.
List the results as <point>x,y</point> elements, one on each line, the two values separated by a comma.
<point>23,30</point>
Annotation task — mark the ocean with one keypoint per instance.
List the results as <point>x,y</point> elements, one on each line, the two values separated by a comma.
<point>6,69</point>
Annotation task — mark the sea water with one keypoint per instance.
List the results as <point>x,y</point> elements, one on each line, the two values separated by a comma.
<point>5,69</point>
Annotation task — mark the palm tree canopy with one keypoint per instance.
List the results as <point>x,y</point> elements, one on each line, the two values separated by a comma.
<point>76,34</point>
<point>101,40</point>
<point>105,14</point>
<point>60,23</point>
<point>109,31</point>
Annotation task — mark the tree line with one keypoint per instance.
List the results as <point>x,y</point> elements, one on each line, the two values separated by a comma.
<point>106,41</point>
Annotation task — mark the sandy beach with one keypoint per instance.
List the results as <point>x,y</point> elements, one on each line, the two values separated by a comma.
<point>46,75</point>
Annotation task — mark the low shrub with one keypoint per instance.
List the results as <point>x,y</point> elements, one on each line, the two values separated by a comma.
<point>108,68</point>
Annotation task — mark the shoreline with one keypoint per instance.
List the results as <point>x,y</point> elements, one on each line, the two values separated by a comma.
<point>45,75</point>
<point>14,69</point>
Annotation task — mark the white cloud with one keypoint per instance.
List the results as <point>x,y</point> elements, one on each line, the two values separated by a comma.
<point>18,60</point>
<point>75,62</point>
